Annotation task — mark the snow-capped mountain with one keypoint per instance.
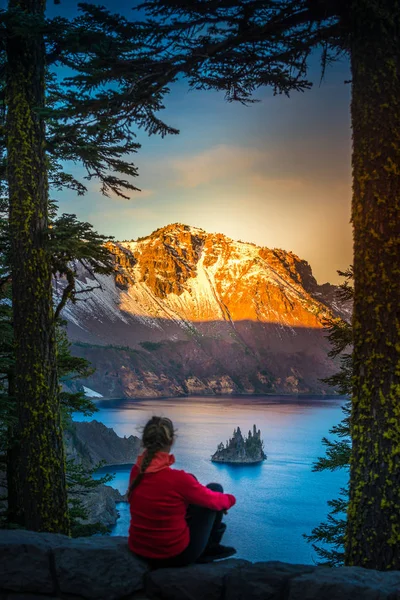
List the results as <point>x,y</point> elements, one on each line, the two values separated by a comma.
<point>192,312</point>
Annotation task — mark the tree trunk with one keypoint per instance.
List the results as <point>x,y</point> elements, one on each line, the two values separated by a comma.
<point>13,493</point>
<point>38,468</point>
<point>373,533</point>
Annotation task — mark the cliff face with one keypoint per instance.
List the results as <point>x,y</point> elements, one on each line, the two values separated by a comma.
<point>189,312</point>
<point>241,450</point>
<point>91,442</point>
<point>88,443</point>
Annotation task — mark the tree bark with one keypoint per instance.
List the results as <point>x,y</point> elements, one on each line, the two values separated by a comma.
<point>373,532</point>
<point>37,454</point>
<point>13,493</point>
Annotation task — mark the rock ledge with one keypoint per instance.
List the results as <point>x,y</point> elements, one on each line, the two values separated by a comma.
<point>39,566</point>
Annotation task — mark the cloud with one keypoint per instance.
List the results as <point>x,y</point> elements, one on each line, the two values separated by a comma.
<point>258,170</point>
<point>220,162</point>
<point>284,166</point>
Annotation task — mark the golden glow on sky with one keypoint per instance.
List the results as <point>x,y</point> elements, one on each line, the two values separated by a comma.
<point>276,173</point>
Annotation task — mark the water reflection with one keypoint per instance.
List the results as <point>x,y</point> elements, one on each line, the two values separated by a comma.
<point>241,472</point>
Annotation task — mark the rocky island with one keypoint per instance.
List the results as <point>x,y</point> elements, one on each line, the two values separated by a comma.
<point>241,450</point>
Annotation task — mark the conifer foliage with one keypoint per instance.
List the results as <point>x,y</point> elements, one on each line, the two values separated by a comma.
<point>331,534</point>
<point>61,101</point>
<point>73,244</point>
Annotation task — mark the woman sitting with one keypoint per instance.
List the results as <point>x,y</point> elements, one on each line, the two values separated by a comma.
<point>175,520</point>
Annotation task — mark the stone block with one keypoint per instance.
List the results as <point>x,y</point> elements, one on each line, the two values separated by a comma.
<point>345,583</point>
<point>195,582</point>
<point>262,581</point>
<point>25,560</point>
<point>98,567</point>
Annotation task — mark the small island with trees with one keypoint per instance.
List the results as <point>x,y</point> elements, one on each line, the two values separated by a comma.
<point>241,450</point>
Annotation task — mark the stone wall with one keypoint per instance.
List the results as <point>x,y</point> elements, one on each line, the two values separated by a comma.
<point>37,566</point>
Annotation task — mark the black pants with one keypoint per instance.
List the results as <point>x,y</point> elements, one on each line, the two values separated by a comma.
<point>206,530</point>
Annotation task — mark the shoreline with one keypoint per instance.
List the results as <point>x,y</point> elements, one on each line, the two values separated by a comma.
<point>301,396</point>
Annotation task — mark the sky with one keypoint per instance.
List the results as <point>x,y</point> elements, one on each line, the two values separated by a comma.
<point>276,173</point>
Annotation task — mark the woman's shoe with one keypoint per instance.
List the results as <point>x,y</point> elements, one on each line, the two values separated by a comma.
<point>216,552</point>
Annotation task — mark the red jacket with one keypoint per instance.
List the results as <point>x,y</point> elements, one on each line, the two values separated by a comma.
<point>158,505</point>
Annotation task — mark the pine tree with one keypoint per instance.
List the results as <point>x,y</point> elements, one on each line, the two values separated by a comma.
<point>80,482</point>
<point>338,451</point>
<point>240,46</point>
<point>37,481</point>
<point>373,532</point>
<point>79,479</point>
<point>72,243</point>
<point>48,118</point>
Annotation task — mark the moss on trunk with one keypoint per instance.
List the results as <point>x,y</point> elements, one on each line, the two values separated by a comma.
<point>36,460</point>
<point>373,533</point>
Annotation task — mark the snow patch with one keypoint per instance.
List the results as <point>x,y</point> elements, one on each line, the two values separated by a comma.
<point>91,393</point>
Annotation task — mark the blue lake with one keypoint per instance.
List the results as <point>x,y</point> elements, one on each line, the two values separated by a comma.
<point>277,501</point>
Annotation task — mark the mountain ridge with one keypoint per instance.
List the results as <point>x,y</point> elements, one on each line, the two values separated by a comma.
<point>217,316</point>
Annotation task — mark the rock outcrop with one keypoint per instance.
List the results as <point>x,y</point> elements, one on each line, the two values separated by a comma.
<point>90,443</point>
<point>40,566</point>
<point>100,504</point>
<point>188,312</point>
<point>241,450</point>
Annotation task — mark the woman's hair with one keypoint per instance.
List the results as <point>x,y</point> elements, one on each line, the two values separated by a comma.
<point>158,434</point>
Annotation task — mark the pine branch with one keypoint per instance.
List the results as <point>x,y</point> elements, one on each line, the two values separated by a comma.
<point>338,451</point>
<point>67,292</point>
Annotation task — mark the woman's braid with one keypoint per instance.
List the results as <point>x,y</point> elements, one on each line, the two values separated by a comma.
<point>157,434</point>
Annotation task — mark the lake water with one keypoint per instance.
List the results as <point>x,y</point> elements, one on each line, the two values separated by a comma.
<point>278,500</point>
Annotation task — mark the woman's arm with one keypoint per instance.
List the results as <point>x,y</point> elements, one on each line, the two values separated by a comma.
<point>196,493</point>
